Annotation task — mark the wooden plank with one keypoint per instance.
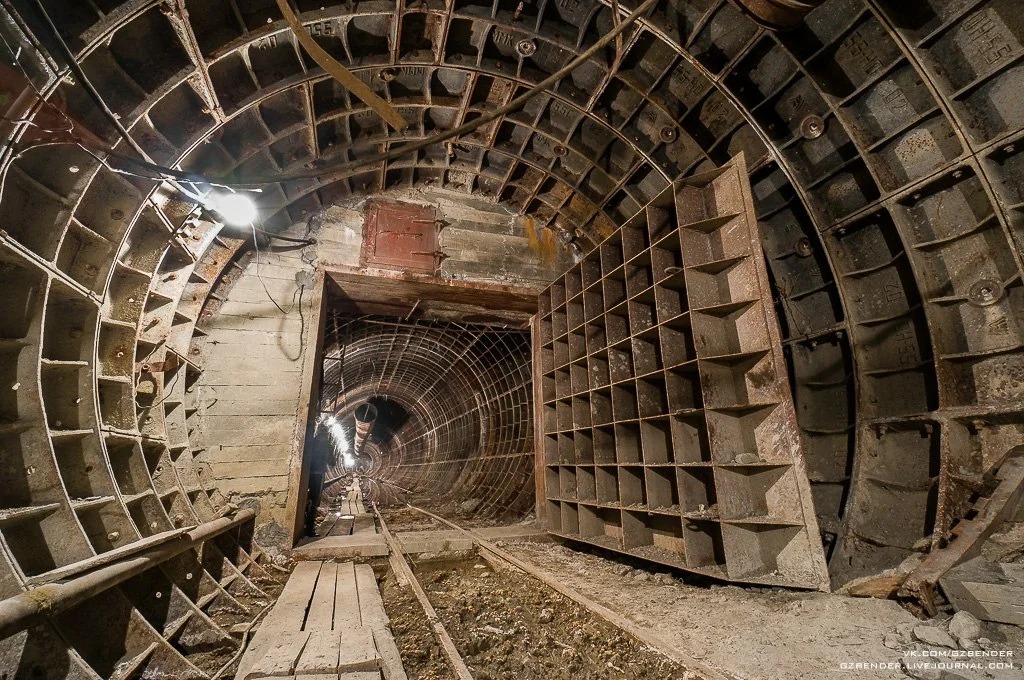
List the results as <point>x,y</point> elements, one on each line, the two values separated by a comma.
<point>321,653</point>
<point>450,650</point>
<point>321,608</point>
<point>290,611</point>
<point>288,614</point>
<point>346,599</point>
<point>433,541</point>
<point>343,527</point>
<point>396,570</point>
<point>280,656</point>
<point>364,523</point>
<point>970,534</point>
<point>371,606</point>
<point>342,547</point>
<point>391,658</point>
<point>649,637</point>
<point>358,652</point>
<point>989,591</point>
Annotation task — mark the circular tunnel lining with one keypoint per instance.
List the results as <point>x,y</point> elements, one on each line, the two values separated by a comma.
<point>885,143</point>
<point>453,410</point>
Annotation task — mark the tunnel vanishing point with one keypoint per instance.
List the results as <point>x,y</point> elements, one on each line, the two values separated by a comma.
<point>731,287</point>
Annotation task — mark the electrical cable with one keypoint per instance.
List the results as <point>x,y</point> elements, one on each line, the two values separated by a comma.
<point>94,94</point>
<point>169,175</point>
<point>351,166</point>
<point>300,289</point>
<point>465,128</point>
<point>288,239</point>
<point>256,247</point>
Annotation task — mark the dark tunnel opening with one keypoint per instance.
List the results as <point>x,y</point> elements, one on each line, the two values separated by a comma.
<point>451,402</point>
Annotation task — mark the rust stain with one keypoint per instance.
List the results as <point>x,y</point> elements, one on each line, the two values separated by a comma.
<point>541,241</point>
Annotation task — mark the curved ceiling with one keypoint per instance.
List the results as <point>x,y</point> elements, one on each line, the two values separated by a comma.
<point>454,409</point>
<point>883,137</point>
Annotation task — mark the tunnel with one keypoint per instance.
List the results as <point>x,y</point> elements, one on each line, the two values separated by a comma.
<point>163,372</point>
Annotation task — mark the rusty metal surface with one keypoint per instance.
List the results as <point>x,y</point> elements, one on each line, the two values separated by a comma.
<point>886,144</point>
<point>401,236</point>
<point>669,427</point>
<point>779,14</point>
<point>390,293</point>
<point>453,404</point>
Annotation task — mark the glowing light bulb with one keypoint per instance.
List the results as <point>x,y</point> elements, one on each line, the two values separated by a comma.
<point>236,209</point>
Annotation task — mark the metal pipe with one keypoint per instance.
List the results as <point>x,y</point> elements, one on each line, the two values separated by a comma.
<point>31,607</point>
<point>397,151</point>
<point>780,15</point>
<point>366,415</point>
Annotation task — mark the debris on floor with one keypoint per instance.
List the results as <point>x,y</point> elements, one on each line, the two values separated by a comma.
<point>773,633</point>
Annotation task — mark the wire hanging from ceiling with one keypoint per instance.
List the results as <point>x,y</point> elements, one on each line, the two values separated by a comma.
<point>175,177</point>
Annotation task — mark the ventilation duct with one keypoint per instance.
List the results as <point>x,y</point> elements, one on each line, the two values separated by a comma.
<point>365,416</point>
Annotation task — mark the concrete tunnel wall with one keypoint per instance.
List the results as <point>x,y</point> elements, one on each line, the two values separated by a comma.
<point>252,419</point>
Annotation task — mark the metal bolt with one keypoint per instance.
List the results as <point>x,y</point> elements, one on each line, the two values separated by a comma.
<point>812,127</point>
<point>668,134</point>
<point>526,48</point>
<point>803,247</point>
<point>560,150</point>
<point>114,536</point>
<point>74,169</point>
<point>387,74</point>
<point>116,214</point>
<point>985,292</point>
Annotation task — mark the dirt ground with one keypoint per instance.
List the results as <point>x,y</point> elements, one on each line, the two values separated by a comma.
<point>771,633</point>
<point>421,653</point>
<point>406,519</point>
<point>509,625</point>
<point>467,513</point>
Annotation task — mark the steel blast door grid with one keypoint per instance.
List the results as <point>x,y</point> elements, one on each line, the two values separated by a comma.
<point>669,431</point>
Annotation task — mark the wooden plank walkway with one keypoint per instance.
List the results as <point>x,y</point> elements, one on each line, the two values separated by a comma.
<point>328,623</point>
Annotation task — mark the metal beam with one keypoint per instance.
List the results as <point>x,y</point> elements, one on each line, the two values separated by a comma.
<point>29,608</point>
